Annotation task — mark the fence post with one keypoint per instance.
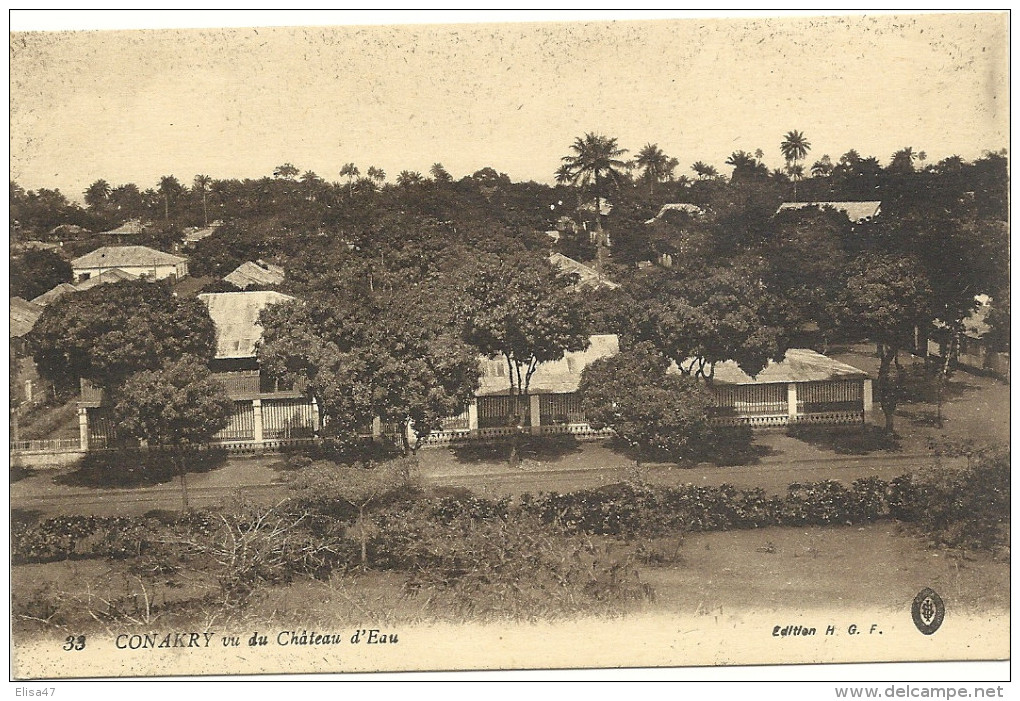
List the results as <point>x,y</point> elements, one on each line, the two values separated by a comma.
<point>473,415</point>
<point>791,401</point>
<point>868,401</point>
<point>536,412</point>
<point>256,405</point>
<point>83,428</point>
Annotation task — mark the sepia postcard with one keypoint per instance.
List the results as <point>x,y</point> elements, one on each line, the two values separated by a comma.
<point>463,342</point>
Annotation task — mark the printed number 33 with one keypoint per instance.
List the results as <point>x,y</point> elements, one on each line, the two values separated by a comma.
<point>74,642</point>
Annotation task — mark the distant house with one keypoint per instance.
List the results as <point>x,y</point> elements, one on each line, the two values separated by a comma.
<point>56,293</point>
<point>194,234</point>
<point>586,275</point>
<point>138,261</point>
<point>125,232</point>
<point>104,278</point>
<point>259,273</point>
<point>856,212</point>
<point>263,411</point>
<point>685,207</point>
<point>974,352</point>
<point>804,388</point>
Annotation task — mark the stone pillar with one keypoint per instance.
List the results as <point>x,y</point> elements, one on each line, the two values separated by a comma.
<point>791,401</point>
<point>376,427</point>
<point>315,417</point>
<point>473,415</point>
<point>256,405</point>
<point>868,400</point>
<point>83,428</point>
<point>536,412</point>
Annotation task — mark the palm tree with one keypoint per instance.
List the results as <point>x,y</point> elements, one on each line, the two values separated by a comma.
<point>97,194</point>
<point>654,164</point>
<point>169,187</point>
<point>822,167</point>
<point>795,149</point>
<point>350,171</point>
<point>288,171</point>
<point>903,160</point>
<point>704,171</point>
<point>201,184</point>
<point>376,174</point>
<point>596,158</point>
<point>440,174</point>
<point>409,178</point>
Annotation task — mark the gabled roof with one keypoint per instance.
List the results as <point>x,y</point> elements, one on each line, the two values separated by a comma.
<point>57,292</point>
<point>587,276</point>
<point>105,277</point>
<point>558,377</point>
<point>799,365</point>
<point>856,212</point>
<point>260,273</point>
<point>236,315</point>
<point>24,314</point>
<point>125,257</point>
<point>692,209</point>
<point>128,228</point>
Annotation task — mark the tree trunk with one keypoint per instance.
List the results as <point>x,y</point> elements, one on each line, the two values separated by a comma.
<point>886,392</point>
<point>205,211</point>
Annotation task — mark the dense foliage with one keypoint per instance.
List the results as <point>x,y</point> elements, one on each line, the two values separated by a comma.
<point>107,333</point>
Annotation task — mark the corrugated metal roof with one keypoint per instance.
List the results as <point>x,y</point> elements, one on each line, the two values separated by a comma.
<point>855,211</point>
<point>558,377</point>
<point>125,257</point>
<point>235,315</point>
<point>799,365</point>
<point>57,292</point>
<point>587,276</point>
<point>250,273</point>
<point>105,277</point>
<point>24,314</point>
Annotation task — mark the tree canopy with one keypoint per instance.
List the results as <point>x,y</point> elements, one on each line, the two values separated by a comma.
<point>107,333</point>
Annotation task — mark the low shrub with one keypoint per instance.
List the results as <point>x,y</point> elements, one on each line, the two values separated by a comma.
<point>515,568</point>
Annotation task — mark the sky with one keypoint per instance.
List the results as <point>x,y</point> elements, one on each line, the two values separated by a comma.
<point>133,105</point>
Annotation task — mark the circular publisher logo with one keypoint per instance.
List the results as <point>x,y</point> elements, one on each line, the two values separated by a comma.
<point>928,610</point>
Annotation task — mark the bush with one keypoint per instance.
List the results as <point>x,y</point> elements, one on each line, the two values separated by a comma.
<point>967,508</point>
<point>515,568</point>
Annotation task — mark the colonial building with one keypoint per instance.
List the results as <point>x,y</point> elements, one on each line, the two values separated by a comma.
<point>137,261</point>
<point>804,388</point>
<point>856,212</point>
<point>264,412</point>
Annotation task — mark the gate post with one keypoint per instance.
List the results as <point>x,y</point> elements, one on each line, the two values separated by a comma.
<point>791,402</point>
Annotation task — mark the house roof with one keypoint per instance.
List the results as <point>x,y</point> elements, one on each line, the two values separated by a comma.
<point>128,228</point>
<point>260,273</point>
<point>799,365</point>
<point>190,286</point>
<point>855,211</point>
<point>558,377</point>
<point>236,315</point>
<point>50,295</point>
<point>24,314</point>
<point>194,234</point>
<point>105,277</point>
<point>588,276</point>
<point>125,257</point>
<point>692,209</point>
